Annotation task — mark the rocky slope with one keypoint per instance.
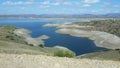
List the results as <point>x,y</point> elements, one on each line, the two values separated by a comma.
<point>40,61</point>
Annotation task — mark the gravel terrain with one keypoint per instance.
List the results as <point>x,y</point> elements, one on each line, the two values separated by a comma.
<point>41,61</point>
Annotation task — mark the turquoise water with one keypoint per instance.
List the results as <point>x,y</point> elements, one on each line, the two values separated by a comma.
<point>78,45</point>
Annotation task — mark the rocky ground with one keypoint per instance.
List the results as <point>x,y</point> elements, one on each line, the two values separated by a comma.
<point>40,61</point>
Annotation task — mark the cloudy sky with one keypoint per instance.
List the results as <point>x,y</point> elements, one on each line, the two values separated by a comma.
<point>59,6</point>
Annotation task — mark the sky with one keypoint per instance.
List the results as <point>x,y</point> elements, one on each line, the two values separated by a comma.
<point>59,6</point>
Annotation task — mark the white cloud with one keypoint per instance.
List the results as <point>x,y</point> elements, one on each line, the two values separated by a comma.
<point>44,6</point>
<point>22,8</point>
<point>116,6</point>
<point>91,1</point>
<point>56,3</point>
<point>94,11</point>
<point>60,3</point>
<point>32,2</point>
<point>17,3</point>
<point>45,2</point>
<point>88,3</point>
<point>107,3</point>
<point>49,3</point>
<point>67,3</point>
<point>117,11</point>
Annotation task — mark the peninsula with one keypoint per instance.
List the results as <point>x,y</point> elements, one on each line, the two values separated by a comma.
<point>104,33</point>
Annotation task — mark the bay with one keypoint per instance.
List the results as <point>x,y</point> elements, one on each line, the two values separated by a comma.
<point>78,45</point>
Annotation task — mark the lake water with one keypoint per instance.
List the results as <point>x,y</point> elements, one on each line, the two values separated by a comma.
<point>78,45</point>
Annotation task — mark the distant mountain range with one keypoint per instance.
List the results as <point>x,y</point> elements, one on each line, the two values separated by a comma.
<point>110,15</point>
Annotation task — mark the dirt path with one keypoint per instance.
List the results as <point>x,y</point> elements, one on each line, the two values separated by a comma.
<point>40,61</point>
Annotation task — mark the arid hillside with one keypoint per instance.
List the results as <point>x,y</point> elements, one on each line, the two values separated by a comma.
<point>40,61</point>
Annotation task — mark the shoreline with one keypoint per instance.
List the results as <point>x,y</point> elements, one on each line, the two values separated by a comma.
<point>29,40</point>
<point>101,39</point>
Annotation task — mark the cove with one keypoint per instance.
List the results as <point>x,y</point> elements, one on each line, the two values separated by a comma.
<point>78,45</point>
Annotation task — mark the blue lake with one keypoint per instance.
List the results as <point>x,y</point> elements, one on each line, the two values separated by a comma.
<point>78,45</point>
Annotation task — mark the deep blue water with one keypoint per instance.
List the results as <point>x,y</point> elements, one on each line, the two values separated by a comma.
<point>78,45</point>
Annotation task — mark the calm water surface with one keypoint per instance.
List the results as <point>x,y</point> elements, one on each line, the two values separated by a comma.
<point>78,45</point>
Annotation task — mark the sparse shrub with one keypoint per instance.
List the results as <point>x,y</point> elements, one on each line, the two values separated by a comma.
<point>107,49</point>
<point>7,36</point>
<point>117,49</point>
<point>12,39</point>
<point>102,50</point>
<point>119,59</point>
<point>31,45</point>
<point>64,53</point>
<point>41,45</point>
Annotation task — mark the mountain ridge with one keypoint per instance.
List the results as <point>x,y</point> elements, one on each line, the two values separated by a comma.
<point>109,15</point>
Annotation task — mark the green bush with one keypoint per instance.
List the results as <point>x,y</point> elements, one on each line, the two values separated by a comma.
<point>7,36</point>
<point>31,45</point>
<point>41,45</point>
<point>117,49</point>
<point>64,53</point>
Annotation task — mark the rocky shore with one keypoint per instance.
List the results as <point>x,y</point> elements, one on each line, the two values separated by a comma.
<point>29,40</point>
<point>101,39</point>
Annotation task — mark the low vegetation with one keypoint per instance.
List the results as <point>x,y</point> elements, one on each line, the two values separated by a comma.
<point>17,48</point>
<point>64,53</point>
<point>41,45</point>
<point>7,34</point>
